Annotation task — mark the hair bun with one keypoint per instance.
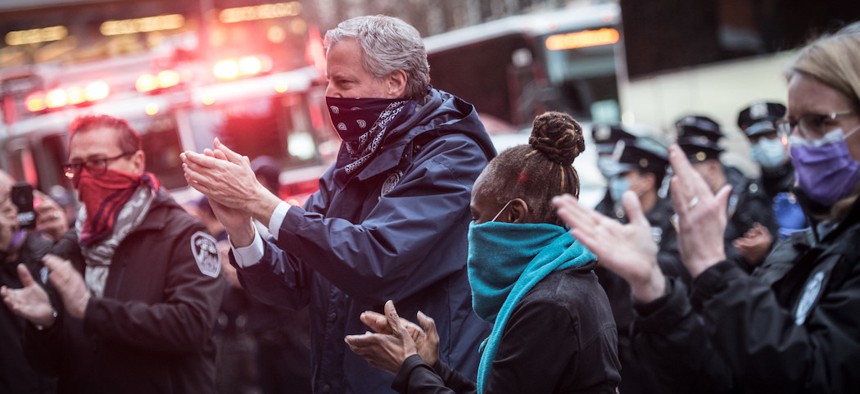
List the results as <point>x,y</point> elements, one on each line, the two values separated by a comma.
<point>558,136</point>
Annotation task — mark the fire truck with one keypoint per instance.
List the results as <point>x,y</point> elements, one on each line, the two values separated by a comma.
<point>178,101</point>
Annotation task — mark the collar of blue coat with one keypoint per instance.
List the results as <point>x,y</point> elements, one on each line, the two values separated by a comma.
<point>440,113</point>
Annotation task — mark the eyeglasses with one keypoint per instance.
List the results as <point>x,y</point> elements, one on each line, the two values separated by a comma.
<point>811,126</point>
<point>96,166</point>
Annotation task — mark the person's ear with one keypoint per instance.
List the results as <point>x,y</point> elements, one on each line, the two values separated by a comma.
<point>396,84</point>
<point>138,160</point>
<point>518,212</point>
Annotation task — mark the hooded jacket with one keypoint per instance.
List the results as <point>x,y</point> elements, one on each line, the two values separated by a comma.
<point>151,332</point>
<point>396,230</point>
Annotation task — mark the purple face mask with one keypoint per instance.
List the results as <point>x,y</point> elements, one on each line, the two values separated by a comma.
<point>825,169</point>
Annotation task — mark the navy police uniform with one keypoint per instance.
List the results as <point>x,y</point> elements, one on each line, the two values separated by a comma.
<point>698,137</point>
<point>645,155</point>
<point>605,137</point>
<point>757,121</point>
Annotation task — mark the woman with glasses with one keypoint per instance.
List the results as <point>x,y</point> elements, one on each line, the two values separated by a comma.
<point>793,326</point>
<point>553,328</point>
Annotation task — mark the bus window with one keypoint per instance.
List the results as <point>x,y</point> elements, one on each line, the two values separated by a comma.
<point>582,75</point>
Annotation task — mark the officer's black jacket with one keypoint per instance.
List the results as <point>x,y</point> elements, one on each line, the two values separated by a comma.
<point>151,331</point>
<point>791,327</point>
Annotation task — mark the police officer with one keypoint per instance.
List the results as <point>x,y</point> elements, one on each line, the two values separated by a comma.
<point>138,285</point>
<point>749,208</point>
<point>639,165</point>
<point>605,136</point>
<point>777,173</point>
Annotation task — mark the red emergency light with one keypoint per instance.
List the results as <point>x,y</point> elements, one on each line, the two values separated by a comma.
<point>66,96</point>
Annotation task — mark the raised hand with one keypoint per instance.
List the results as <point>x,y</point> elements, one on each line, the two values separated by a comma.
<point>30,301</point>
<point>701,215</point>
<point>625,249</point>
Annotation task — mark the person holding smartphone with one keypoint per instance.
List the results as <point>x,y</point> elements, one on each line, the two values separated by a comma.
<point>18,247</point>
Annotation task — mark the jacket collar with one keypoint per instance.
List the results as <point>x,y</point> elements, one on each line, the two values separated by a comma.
<point>156,219</point>
<point>440,112</point>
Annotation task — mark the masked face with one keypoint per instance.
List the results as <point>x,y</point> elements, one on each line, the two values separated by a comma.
<point>769,153</point>
<point>617,186</point>
<point>825,169</point>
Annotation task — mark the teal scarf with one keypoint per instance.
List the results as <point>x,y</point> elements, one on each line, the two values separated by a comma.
<point>506,260</point>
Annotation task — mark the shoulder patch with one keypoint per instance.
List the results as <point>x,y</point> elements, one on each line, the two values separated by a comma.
<point>205,252</point>
<point>811,293</point>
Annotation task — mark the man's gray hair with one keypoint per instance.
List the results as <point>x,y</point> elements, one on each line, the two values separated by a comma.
<point>388,44</point>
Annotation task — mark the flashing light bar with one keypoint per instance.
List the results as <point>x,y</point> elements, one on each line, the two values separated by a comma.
<point>164,79</point>
<point>582,39</point>
<point>34,36</point>
<point>142,25</point>
<point>263,11</point>
<point>246,66</point>
<point>61,97</point>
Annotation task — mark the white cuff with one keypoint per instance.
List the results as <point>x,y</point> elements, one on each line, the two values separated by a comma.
<point>251,254</point>
<point>277,219</point>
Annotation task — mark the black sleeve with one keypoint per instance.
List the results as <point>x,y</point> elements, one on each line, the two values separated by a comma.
<point>671,340</point>
<point>415,376</point>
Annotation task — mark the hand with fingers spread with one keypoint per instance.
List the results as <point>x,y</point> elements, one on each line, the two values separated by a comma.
<point>625,249</point>
<point>701,215</point>
<point>390,345</point>
<point>69,284</point>
<point>30,301</point>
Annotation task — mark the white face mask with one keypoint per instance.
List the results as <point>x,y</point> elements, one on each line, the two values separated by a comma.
<point>769,153</point>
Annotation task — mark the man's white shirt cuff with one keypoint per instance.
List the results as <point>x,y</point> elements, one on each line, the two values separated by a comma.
<point>249,255</point>
<point>277,219</point>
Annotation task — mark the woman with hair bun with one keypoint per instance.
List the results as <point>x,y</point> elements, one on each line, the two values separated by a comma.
<point>553,327</point>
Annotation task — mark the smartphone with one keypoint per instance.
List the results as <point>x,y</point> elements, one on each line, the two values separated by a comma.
<point>22,197</point>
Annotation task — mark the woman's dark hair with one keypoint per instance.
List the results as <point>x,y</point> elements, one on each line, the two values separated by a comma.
<point>541,170</point>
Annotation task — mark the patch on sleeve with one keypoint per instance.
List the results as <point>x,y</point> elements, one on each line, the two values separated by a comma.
<point>205,253</point>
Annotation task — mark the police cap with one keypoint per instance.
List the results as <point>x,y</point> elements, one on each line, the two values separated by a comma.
<point>644,154</point>
<point>605,136</point>
<point>698,125</point>
<point>760,118</point>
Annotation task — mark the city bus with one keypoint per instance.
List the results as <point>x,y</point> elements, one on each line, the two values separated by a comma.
<point>519,66</point>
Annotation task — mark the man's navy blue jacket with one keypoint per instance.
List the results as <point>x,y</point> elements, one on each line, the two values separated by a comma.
<point>396,230</point>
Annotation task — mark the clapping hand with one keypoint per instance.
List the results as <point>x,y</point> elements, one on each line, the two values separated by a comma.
<point>625,249</point>
<point>394,339</point>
